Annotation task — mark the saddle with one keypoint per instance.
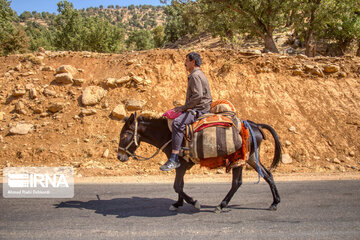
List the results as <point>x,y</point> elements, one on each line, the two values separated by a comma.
<point>216,139</point>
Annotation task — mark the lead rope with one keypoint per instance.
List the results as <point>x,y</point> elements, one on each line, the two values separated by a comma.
<point>260,173</point>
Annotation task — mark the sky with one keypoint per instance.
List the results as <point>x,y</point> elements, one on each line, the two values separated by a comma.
<point>51,5</point>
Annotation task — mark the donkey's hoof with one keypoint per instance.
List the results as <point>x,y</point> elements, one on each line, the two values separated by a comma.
<point>197,205</point>
<point>218,209</point>
<point>172,208</point>
<point>273,208</point>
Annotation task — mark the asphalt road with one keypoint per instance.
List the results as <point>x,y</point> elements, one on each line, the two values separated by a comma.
<point>309,210</point>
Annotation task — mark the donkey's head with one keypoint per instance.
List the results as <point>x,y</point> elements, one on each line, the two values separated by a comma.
<point>129,138</point>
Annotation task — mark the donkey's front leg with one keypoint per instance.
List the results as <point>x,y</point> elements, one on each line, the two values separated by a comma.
<point>179,188</point>
<point>236,183</point>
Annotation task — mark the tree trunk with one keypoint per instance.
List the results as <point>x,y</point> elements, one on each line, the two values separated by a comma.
<point>310,47</point>
<point>270,45</point>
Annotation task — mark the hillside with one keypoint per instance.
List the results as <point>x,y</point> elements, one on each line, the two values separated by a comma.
<point>313,104</point>
<point>131,17</point>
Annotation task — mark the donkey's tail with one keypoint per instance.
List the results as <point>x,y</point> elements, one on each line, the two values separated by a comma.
<point>277,155</point>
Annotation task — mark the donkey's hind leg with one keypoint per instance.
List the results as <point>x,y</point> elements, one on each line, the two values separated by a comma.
<point>236,183</point>
<point>270,180</point>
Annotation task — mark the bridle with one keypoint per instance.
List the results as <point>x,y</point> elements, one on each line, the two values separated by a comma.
<point>135,141</point>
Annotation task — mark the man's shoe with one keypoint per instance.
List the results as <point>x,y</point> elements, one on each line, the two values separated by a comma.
<point>170,165</point>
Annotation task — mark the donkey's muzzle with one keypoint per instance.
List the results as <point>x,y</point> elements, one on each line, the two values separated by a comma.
<point>122,157</point>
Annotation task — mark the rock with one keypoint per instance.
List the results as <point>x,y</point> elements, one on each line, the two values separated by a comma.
<point>78,81</point>
<point>106,153</point>
<point>18,67</point>
<point>56,107</point>
<point>47,68</point>
<point>49,92</point>
<point>317,71</point>
<point>66,69</point>
<point>133,104</point>
<point>20,107</point>
<point>2,116</point>
<point>92,95</point>
<point>331,68</point>
<point>309,67</point>
<point>302,56</point>
<point>37,109</point>
<point>41,49</point>
<point>342,74</point>
<point>119,112</point>
<point>110,82</point>
<point>149,114</point>
<point>18,92</point>
<point>29,86</point>
<point>337,161</point>
<point>88,112</point>
<point>123,80</point>
<point>137,79</point>
<point>287,143</point>
<point>292,129</point>
<point>297,72</point>
<point>64,78</point>
<point>33,93</point>
<point>286,159</point>
<point>342,169</point>
<point>351,153</point>
<point>316,158</point>
<point>21,129</point>
<point>131,61</point>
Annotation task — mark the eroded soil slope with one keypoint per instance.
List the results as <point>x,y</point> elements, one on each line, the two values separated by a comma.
<point>313,104</point>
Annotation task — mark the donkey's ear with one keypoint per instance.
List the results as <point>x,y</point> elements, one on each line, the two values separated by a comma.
<point>125,119</point>
<point>135,115</point>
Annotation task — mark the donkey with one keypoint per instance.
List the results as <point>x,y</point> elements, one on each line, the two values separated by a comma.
<point>155,131</point>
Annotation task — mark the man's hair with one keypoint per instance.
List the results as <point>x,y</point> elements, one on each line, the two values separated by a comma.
<point>195,56</point>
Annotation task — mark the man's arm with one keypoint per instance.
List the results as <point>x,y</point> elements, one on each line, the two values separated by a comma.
<point>196,93</point>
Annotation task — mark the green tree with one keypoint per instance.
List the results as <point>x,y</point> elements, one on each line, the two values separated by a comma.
<point>12,36</point>
<point>159,36</point>
<point>69,25</point>
<point>39,36</point>
<point>140,40</point>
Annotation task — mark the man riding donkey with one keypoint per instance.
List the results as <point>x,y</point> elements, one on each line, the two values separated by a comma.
<point>198,102</point>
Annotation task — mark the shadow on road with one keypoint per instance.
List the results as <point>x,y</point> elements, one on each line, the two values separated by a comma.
<point>127,207</point>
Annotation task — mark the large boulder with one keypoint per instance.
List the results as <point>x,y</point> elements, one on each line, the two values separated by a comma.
<point>92,95</point>
<point>134,105</point>
<point>66,69</point>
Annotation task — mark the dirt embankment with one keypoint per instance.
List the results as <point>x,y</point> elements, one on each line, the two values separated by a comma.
<point>313,104</point>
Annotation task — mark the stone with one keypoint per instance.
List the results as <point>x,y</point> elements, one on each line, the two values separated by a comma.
<point>47,68</point>
<point>351,153</point>
<point>342,74</point>
<point>119,112</point>
<point>20,107</point>
<point>131,61</point>
<point>342,169</point>
<point>66,69</point>
<point>317,71</point>
<point>297,72</point>
<point>21,129</point>
<point>149,114</point>
<point>292,129</point>
<point>123,80</point>
<point>287,143</point>
<point>78,81</point>
<point>92,95</point>
<point>331,68</point>
<point>49,92</point>
<point>302,56</point>
<point>18,92</point>
<point>18,67</point>
<point>106,153</point>
<point>29,86</point>
<point>337,161</point>
<point>286,159</point>
<point>64,78</point>
<point>2,116</point>
<point>88,112</point>
<point>33,93</point>
<point>134,105</point>
<point>56,107</point>
<point>110,82</point>
<point>137,79</point>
